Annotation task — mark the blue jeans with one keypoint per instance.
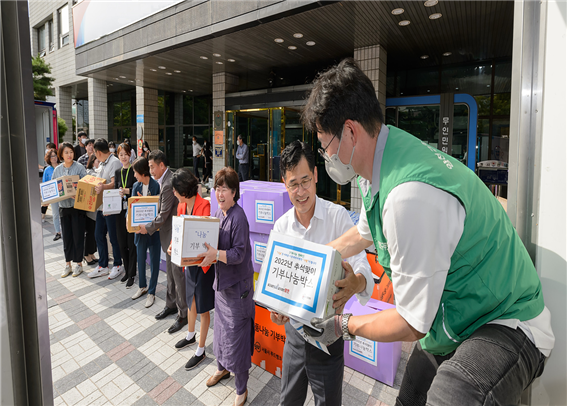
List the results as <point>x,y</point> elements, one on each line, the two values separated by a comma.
<point>56,219</point>
<point>492,367</point>
<point>106,224</point>
<point>145,243</point>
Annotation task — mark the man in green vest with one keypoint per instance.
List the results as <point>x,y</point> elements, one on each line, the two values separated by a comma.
<point>464,284</point>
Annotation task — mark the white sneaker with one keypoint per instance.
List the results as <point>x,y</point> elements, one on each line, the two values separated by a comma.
<point>140,292</point>
<point>67,271</point>
<point>78,270</point>
<point>150,300</point>
<point>99,271</point>
<point>116,272</point>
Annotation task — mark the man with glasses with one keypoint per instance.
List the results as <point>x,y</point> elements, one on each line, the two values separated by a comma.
<point>318,221</point>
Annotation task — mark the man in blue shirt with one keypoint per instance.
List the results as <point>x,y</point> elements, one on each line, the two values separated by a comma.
<point>242,156</point>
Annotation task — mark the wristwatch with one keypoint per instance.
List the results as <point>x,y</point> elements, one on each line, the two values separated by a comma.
<point>344,324</point>
<point>218,255</point>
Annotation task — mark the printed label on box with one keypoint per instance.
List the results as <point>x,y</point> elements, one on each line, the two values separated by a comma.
<point>143,213</point>
<point>50,190</point>
<point>363,349</point>
<point>294,275</point>
<point>264,211</point>
<point>259,252</point>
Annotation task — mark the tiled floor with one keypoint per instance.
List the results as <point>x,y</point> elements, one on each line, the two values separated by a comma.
<point>107,349</point>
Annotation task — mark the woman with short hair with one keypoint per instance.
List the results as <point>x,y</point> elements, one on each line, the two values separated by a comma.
<point>233,338</point>
<point>52,161</point>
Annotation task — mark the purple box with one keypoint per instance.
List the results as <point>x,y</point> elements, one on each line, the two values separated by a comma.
<point>263,207</point>
<point>259,243</point>
<point>376,360</point>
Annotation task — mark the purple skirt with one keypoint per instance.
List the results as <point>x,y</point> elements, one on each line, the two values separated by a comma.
<point>233,340</point>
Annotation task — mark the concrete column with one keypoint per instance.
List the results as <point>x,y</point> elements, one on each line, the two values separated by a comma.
<point>222,83</point>
<point>98,109</point>
<point>147,107</point>
<point>373,62</point>
<point>64,110</point>
<point>176,159</point>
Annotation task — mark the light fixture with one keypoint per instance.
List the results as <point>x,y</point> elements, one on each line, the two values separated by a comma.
<point>310,43</point>
<point>487,85</point>
<point>131,81</point>
<point>203,57</point>
<point>298,35</point>
<point>168,73</point>
<point>218,62</point>
<point>177,71</point>
<point>185,91</point>
<point>430,3</point>
<point>216,55</point>
<point>428,90</point>
<point>456,88</point>
<point>122,77</point>
<point>231,60</point>
<point>292,47</point>
<point>447,54</point>
<point>278,40</point>
<point>190,90</point>
<point>138,80</point>
<point>424,56</point>
<point>116,79</point>
<point>435,16</point>
<point>403,23</point>
<point>397,11</point>
<point>161,67</point>
<point>153,70</point>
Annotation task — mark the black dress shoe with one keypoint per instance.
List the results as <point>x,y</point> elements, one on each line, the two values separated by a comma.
<point>194,361</point>
<point>165,312</point>
<point>184,343</point>
<point>129,283</point>
<point>178,325</point>
<point>124,278</point>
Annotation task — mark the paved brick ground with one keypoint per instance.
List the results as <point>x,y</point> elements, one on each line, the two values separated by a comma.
<point>107,349</point>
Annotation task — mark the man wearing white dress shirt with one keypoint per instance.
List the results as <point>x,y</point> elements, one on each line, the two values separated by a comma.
<point>319,221</point>
<point>464,284</point>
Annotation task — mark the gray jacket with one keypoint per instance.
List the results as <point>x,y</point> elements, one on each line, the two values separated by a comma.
<point>167,208</point>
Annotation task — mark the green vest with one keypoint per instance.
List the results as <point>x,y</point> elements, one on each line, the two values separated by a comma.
<point>491,274</point>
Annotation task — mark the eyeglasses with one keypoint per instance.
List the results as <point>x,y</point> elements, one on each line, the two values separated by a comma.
<point>323,152</point>
<point>305,184</point>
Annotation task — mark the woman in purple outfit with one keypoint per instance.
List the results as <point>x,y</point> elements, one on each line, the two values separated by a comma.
<point>234,308</point>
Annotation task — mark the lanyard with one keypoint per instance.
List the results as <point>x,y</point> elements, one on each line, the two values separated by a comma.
<point>122,176</point>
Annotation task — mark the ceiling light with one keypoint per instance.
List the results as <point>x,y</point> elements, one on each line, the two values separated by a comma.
<point>310,43</point>
<point>111,84</point>
<point>435,16</point>
<point>278,40</point>
<point>456,88</point>
<point>231,60</point>
<point>185,91</point>
<point>190,90</point>
<point>430,3</point>
<point>138,80</point>
<point>116,79</point>
<point>168,73</point>
<point>403,23</point>
<point>424,56</point>
<point>397,11</point>
<point>131,81</point>
<point>153,70</point>
<point>298,35</point>
<point>216,55</point>
<point>218,62</point>
<point>292,47</point>
<point>203,57</point>
<point>177,71</point>
<point>447,54</point>
<point>122,77</point>
<point>161,67</point>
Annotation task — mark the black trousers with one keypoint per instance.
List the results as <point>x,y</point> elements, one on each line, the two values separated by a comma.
<point>196,166</point>
<point>126,244</point>
<point>243,172</point>
<point>90,242</point>
<point>73,231</point>
<point>208,170</point>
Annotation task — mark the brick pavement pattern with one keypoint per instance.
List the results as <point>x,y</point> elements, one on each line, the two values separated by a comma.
<point>107,349</point>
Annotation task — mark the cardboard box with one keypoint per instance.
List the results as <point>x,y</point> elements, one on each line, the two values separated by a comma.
<point>259,244</point>
<point>141,210</point>
<point>298,277</point>
<point>111,202</point>
<point>264,206</point>
<point>269,341</point>
<point>58,189</point>
<point>376,360</point>
<point>87,199</point>
<point>189,235</point>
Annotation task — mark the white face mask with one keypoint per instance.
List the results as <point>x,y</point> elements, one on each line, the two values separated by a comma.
<point>47,150</point>
<point>194,142</point>
<point>82,140</point>
<point>145,149</point>
<point>339,172</point>
<point>112,149</point>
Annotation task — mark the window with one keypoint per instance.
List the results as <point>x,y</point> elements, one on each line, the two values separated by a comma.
<point>63,19</point>
<point>41,40</point>
<point>51,43</point>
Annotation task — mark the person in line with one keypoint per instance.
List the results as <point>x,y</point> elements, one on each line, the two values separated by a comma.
<point>175,297</point>
<point>146,150</point>
<point>243,156</point>
<point>196,157</point>
<point>52,161</point>
<point>89,147</point>
<point>146,186</point>
<point>123,181</point>
<point>112,148</point>
<point>199,293</point>
<point>464,283</point>
<point>208,161</point>
<point>41,167</point>
<point>320,221</point>
<point>80,148</point>
<point>72,220</point>
<point>133,154</point>
<point>90,220</point>
<point>106,224</point>
<point>233,338</point>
